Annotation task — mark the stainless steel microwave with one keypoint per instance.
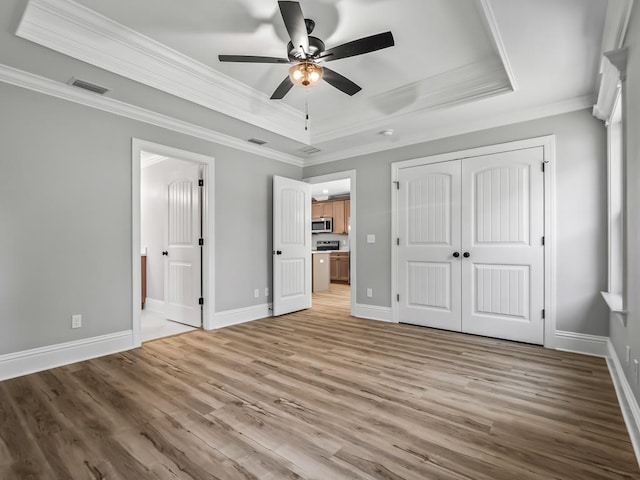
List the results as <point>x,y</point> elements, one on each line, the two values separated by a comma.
<point>322,225</point>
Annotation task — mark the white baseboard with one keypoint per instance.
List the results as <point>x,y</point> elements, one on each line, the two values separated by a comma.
<point>153,305</point>
<point>581,343</point>
<point>626,399</point>
<point>37,359</point>
<point>239,315</point>
<point>374,312</point>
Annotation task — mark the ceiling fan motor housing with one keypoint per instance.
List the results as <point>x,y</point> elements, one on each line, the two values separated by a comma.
<point>316,46</point>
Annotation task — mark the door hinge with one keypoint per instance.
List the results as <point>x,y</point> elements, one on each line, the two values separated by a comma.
<point>201,241</point>
<point>542,240</point>
<point>398,241</point>
<point>543,313</point>
<point>542,167</point>
<point>201,301</point>
<point>397,184</point>
<point>397,297</point>
<point>200,182</point>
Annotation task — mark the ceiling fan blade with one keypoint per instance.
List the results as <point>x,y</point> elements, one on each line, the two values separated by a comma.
<point>296,27</point>
<point>282,89</point>
<point>251,59</point>
<point>358,47</point>
<point>341,83</point>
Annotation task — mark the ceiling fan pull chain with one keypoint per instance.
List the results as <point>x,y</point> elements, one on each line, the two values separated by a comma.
<point>306,110</point>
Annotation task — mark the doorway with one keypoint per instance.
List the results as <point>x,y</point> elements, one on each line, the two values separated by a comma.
<point>172,241</point>
<point>334,247</point>
<point>170,227</point>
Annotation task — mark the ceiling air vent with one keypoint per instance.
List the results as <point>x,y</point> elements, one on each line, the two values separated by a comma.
<point>257,141</point>
<point>310,150</point>
<point>92,87</point>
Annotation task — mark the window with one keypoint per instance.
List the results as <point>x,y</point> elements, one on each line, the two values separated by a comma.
<point>615,168</point>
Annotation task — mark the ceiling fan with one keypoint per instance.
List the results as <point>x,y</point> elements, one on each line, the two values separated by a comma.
<point>307,52</point>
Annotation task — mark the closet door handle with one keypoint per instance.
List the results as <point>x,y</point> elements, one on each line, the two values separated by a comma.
<point>165,253</point>
<point>466,254</point>
<point>456,254</point>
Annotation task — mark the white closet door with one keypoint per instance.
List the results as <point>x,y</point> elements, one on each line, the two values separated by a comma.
<point>429,233</point>
<point>502,230</point>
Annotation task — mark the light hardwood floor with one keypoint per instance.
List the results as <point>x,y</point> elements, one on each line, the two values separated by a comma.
<point>318,394</point>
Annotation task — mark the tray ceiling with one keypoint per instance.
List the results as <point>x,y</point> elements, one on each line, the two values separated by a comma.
<point>454,62</point>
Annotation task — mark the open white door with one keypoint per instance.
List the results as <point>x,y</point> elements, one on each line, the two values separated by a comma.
<point>291,245</point>
<point>182,285</point>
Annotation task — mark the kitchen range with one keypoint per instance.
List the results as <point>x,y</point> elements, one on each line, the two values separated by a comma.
<point>327,245</point>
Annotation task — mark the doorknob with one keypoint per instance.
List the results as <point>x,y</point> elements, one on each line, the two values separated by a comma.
<point>165,253</point>
<point>466,254</point>
<point>277,252</point>
<point>456,254</point>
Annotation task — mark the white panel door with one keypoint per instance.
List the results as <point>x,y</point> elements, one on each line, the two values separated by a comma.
<point>503,253</point>
<point>182,256</point>
<point>291,245</point>
<point>429,262</point>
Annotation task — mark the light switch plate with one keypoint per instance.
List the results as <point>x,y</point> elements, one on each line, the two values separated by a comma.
<point>371,238</point>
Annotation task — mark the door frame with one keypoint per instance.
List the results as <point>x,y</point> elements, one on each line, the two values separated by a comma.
<point>547,143</point>
<point>208,251</point>
<point>351,175</point>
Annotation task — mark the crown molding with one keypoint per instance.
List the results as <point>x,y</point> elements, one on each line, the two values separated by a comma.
<point>76,31</point>
<point>571,105</point>
<point>148,159</point>
<point>615,25</point>
<point>63,91</point>
<point>460,85</point>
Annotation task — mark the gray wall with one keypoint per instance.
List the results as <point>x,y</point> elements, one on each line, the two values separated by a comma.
<point>621,336</point>
<point>65,219</point>
<point>581,212</point>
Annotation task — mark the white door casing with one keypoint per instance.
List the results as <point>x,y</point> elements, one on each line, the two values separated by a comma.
<point>428,240</point>
<point>502,231</point>
<point>291,245</point>
<point>501,224</point>
<point>182,263</point>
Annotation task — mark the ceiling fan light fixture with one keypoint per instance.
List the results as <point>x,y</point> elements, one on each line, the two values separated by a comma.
<point>305,74</point>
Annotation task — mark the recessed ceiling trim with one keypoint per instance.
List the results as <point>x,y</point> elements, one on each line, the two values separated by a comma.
<point>492,26</point>
<point>383,144</point>
<point>461,85</point>
<point>76,31</point>
<point>30,81</point>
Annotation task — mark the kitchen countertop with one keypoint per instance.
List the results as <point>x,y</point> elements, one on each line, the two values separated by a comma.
<point>342,250</point>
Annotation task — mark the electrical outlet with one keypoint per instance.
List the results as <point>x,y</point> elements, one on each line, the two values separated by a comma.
<point>371,238</point>
<point>76,321</point>
<point>628,355</point>
<point>266,291</point>
<point>256,293</point>
<point>369,292</point>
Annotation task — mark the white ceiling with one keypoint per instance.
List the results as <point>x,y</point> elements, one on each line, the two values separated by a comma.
<point>457,65</point>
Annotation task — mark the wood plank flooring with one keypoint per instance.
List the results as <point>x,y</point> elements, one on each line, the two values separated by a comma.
<point>318,394</point>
